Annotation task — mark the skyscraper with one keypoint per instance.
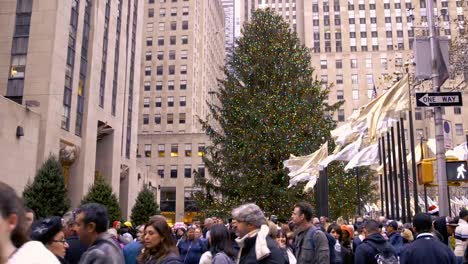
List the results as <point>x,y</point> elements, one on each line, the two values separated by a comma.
<point>70,71</point>
<point>183,49</point>
<point>229,23</point>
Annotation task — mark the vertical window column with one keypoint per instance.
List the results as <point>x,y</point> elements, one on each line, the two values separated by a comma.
<point>116,59</point>
<point>105,41</point>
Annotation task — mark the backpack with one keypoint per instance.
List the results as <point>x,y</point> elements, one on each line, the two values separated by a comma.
<point>384,257</point>
<point>331,242</point>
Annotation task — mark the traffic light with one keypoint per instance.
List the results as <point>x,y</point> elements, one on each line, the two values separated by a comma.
<point>456,170</point>
<point>425,171</point>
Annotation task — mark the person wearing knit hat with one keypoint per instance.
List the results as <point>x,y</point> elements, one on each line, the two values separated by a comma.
<point>128,224</point>
<point>407,236</point>
<point>116,225</point>
<point>49,231</point>
<point>433,210</point>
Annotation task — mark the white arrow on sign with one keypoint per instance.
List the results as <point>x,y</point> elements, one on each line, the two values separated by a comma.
<point>427,100</point>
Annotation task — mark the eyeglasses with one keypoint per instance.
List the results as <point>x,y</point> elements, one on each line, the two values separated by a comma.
<point>63,241</point>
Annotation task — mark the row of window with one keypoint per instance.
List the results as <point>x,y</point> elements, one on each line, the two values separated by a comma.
<point>160,70</point>
<point>170,101</point>
<point>175,150</point>
<point>355,94</point>
<point>418,113</point>
<point>353,63</point>
<point>162,12</point>
<point>171,55</point>
<point>173,26</point>
<point>169,119</point>
<point>165,1</point>
<point>172,40</point>
<point>170,85</point>
<point>173,173</point>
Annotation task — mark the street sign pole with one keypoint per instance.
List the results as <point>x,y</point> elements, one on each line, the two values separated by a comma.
<point>439,131</point>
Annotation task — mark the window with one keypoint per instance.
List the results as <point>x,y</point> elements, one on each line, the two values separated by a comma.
<point>151,12</point>
<point>353,63</point>
<point>459,129</point>
<point>182,118</point>
<point>187,171</point>
<point>341,115</point>
<point>173,25</point>
<point>174,150</point>
<point>18,66</point>
<point>170,118</point>
<point>354,79</point>
<point>157,119</point>
<point>148,71</point>
<point>370,79</point>
<point>184,25</point>
<point>339,95</point>
<point>161,171</point>
<point>339,64</point>
<point>173,171</point>
<point>159,70</point>
<point>388,19</point>
<point>368,63</point>
<point>457,110</point>
<point>161,150</point>
<point>374,34</point>
<point>201,170</point>
<point>184,39</point>
<point>363,34</point>
<point>185,11</point>
<point>170,101</point>
<point>174,11</point>
<point>147,86</point>
<point>182,101</point>
<point>145,119</point>
<point>148,150</point>
<point>418,114</point>
<point>323,64</point>
<point>339,79</point>
<point>148,56</point>
<point>201,149</point>
<point>161,26</point>
<point>355,94</point>
<point>146,102</point>
<point>149,27</point>
<point>188,149</point>
<point>149,41</point>
<point>170,85</point>
<point>172,55</point>
<point>171,69</point>
<point>183,54</point>
<point>159,86</point>
<point>352,34</point>
<point>362,20</point>
<point>172,40</point>
<point>160,41</point>
<point>183,84</point>
<point>160,55</point>
<point>384,63</point>
<point>158,102</point>
<point>183,69</point>
<point>162,12</point>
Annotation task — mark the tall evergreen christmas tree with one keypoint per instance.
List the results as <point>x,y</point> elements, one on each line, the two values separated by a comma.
<point>47,195</point>
<point>145,207</point>
<point>101,192</point>
<point>267,107</point>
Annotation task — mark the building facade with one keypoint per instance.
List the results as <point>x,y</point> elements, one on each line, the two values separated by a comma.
<point>183,50</point>
<point>75,65</point>
<point>357,45</point>
<point>229,23</point>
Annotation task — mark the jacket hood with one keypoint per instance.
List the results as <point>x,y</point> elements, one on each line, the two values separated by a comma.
<point>378,242</point>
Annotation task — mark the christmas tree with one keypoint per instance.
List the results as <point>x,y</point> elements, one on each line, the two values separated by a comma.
<point>101,192</point>
<point>267,107</point>
<point>47,195</point>
<point>145,207</point>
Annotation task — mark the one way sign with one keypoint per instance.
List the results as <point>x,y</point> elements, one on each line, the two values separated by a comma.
<point>439,99</point>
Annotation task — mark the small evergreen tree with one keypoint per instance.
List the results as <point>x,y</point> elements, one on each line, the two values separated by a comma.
<point>145,207</point>
<point>101,192</point>
<point>47,195</point>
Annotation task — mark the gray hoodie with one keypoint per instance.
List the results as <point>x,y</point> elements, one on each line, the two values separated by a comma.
<point>103,251</point>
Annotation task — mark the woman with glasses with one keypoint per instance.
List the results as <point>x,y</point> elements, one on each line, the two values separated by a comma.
<point>49,231</point>
<point>159,245</point>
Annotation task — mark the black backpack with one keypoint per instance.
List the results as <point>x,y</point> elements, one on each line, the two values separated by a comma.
<point>331,242</point>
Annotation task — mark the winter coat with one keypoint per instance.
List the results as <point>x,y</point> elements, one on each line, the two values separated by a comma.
<point>171,258</point>
<point>396,240</point>
<point>249,253</point>
<point>347,255</point>
<point>33,252</point>
<point>428,250</point>
<point>103,251</point>
<point>461,238</point>
<point>191,251</point>
<point>356,242</point>
<point>219,258</point>
<point>307,252</point>
<point>131,252</point>
<point>371,246</point>
<point>75,250</point>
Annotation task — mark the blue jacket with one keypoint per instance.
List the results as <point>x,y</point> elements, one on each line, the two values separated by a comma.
<point>191,251</point>
<point>371,246</point>
<point>396,240</point>
<point>131,252</point>
<point>428,250</point>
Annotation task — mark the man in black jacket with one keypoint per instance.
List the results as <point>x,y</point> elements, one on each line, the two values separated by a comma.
<point>426,248</point>
<point>252,237</point>
<point>374,246</point>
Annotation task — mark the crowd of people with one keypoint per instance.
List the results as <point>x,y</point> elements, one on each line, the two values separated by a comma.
<point>84,236</point>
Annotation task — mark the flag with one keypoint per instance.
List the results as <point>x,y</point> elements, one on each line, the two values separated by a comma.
<point>374,92</point>
<point>368,156</point>
<point>442,70</point>
<point>306,167</point>
<point>346,154</point>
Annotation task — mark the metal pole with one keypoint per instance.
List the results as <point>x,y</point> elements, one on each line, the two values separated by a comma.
<point>317,195</point>
<point>439,131</point>
<point>356,171</point>
<point>381,192</point>
<point>400,175</point>
<point>426,205</point>
<point>390,176</point>
<point>405,169</point>
<point>325,207</point>
<point>413,154</point>
<point>395,176</point>
<point>387,208</point>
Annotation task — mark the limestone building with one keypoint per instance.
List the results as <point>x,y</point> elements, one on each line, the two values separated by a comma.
<point>69,86</point>
<point>182,51</point>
